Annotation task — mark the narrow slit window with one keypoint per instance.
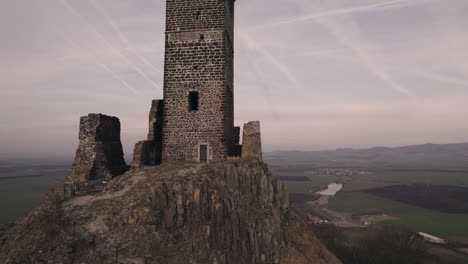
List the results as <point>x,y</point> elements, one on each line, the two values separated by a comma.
<point>198,16</point>
<point>193,101</point>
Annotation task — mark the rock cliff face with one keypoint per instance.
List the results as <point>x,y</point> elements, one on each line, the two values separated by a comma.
<point>230,212</point>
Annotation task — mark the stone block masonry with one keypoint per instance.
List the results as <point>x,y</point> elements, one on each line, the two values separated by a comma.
<point>198,111</point>
<point>99,154</point>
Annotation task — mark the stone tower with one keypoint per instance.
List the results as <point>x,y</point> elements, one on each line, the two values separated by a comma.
<point>198,113</point>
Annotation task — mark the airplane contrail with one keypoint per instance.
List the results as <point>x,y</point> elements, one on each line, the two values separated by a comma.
<point>103,66</point>
<point>363,55</point>
<point>434,76</point>
<point>108,44</point>
<point>392,4</point>
<point>117,77</point>
<point>267,55</point>
<point>357,45</point>
<point>121,35</point>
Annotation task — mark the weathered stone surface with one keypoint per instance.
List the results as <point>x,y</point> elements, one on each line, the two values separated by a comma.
<point>231,212</point>
<point>149,152</point>
<point>156,121</point>
<point>251,141</point>
<point>146,153</point>
<point>99,154</point>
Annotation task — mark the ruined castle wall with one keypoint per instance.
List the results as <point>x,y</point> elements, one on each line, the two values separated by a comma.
<point>149,152</point>
<point>99,154</point>
<point>156,121</point>
<point>198,58</point>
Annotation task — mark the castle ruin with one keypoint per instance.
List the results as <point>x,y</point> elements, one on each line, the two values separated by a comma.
<point>195,120</point>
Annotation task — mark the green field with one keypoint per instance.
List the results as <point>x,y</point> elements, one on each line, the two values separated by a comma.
<point>418,219</point>
<point>381,177</point>
<point>353,199</point>
<point>316,183</point>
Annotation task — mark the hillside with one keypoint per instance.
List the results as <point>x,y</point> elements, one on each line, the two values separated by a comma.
<point>232,212</point>
<point>427,156</point>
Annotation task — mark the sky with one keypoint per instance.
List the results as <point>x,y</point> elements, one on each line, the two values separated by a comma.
<point>318,74</point>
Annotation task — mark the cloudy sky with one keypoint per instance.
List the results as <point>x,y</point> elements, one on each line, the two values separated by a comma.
<point>319,74</point>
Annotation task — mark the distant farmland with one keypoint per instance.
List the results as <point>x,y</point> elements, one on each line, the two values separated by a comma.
<point>420,219</point>
<point>21,188</point>
<point>425,187</point>
<point>442,198</point>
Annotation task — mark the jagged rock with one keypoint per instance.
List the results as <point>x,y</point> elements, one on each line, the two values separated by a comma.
<point>99,154</point>
<point>231,212</point>
<point>251,141</point>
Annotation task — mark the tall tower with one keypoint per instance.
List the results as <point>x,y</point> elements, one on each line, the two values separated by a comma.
<point>198,115</point>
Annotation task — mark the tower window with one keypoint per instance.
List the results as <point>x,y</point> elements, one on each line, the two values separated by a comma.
<point>202,36</point>
<point>198,16</point>
<point>193,101</point>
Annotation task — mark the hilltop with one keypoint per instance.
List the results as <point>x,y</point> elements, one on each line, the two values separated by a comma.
<point>229,212</point>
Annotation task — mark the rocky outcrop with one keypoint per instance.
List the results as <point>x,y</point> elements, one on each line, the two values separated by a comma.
<point>99,154</point>
<point>251,141</point>
<point>230,212</point>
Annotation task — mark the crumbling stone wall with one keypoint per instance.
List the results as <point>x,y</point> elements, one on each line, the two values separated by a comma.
<point>149,152</point>
<point>156,121</point>
<point>198,58</point>
<point>99,154</point>
<point>252,141</point>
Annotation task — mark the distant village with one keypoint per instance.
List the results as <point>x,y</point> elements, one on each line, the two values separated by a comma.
<point>338,171</point>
